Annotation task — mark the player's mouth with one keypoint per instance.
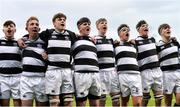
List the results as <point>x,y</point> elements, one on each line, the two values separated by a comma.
<point>105,28</point>
<point>127,34</point>
<point>62,24</point>
<point>146,30</point>
<point>9,31</point>
<point>35,30</point>
<point>168,32</point>
<point>88,29</point>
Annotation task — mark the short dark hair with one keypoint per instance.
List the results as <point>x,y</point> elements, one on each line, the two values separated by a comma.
<point>9,22</point>
<point>162,26</point>
<point>121,26</point>
<point>58,15</point>
<point>83,20</point>
<point>140,23</point>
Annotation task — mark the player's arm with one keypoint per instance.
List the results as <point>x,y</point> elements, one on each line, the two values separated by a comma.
<point>21,41</point>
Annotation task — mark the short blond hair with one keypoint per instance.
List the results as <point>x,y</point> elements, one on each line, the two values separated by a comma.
<point>100,20</point>
<point>31,18</point>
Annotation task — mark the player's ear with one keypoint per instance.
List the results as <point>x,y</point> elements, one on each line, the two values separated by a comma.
<point>39,29</point>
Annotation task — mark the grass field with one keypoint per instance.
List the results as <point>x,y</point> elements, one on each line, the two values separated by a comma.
<point>108,102</point>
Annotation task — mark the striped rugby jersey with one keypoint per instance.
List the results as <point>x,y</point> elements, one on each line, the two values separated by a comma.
<point>10,57</point>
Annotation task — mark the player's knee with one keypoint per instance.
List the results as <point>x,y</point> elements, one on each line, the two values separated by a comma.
<point>146,97</point>
<point>115,98</point>
<point>93,97</point>
<point>158,97</point>
<point>103,97</point>
<point>54,102</point>
<point>68,98</point>
<point>81,99</point>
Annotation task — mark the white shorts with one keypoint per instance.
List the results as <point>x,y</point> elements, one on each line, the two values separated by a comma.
<point>87,83</point>
<point>106,78</point>
<point>10,87</point>
<point>152,79</point>
<point>33,88</point>
<point>59,81</point>
<point>130,84</point>
<point>171,81</point>
<point>115,85</point>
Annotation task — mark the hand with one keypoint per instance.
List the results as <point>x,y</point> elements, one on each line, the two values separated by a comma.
<point>94,39</point>
<point>21,43</point>
<point>132,41</point>
<point>116,41</point>
<point>173,39</point>
<point>45,56</point>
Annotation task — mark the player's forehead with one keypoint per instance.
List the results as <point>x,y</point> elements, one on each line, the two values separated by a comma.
<point>33,22</point>
<point>60,18</point>
<point>10,24</point>
<point>144,25</point>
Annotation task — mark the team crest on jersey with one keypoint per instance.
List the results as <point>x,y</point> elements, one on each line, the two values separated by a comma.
<point>162,47</point>
<point>140,42</point>
<point>99,41</point>
<point>39,45</point>
<point>66,38</point>
<point>172,44</point>
<point>54,37</point>
<point>15,44</point>
<point>150,41</point>
<point>109,41</point>
<point>3,43</point>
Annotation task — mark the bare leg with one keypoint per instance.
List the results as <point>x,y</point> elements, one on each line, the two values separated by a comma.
<point>137,100</point>
<point>125,100</point>
<point>146,97</point>
<point>17,102</point>
<point>95,102</point>
<point>5,102</point>
<point>115,99</point>
<point>54,100</point>
<point>26,102</point>
<point>168,99</point>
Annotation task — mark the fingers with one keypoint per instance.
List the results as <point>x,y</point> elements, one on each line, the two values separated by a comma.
<point>21,43</point>
<point>45,56</point>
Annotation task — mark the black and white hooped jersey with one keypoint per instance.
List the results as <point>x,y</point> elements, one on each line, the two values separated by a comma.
<point>147,53</point>
<point>168,55</point>
<point>126,58</point>
<point>105,53</point>
<point>59,49</point>
<point>85,55</point>
<point>10,57</point>
<point>33,62</point>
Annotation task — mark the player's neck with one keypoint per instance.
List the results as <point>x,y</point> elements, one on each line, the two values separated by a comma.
<point>9,38</point>
<point>102,34</point>
<point>165,39</point>
<point>33,36</point>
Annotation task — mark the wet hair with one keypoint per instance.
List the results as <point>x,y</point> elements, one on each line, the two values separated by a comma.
<point>31,18</point>
<point>121,26</point>
<point>58,15</point>
<point>162,26</point>
<point>100,20</point>
<point>140,23</point>
<point>83,20</point>
<point>9,22</point>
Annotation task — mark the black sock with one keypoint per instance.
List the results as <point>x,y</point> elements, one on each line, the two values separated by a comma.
<point>176,105</point>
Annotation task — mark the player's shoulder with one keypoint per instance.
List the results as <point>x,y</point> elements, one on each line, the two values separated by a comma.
<point>159,43</point>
